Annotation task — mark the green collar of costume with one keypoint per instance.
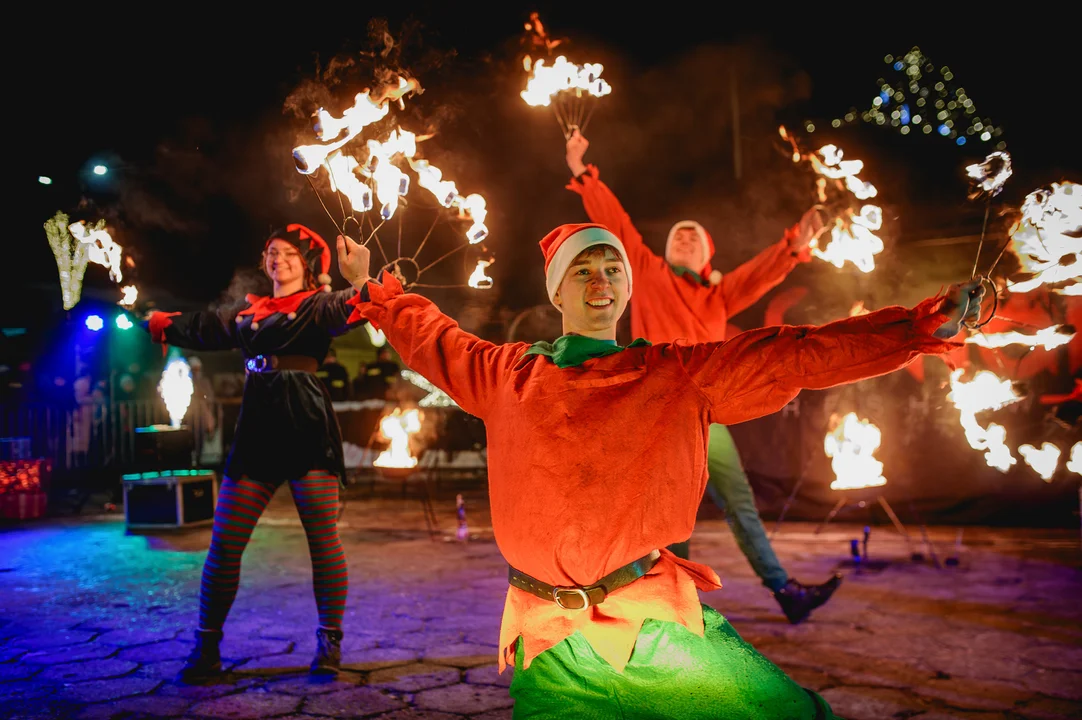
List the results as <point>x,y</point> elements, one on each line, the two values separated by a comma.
<point>681,270</point>
<point>572,350</point>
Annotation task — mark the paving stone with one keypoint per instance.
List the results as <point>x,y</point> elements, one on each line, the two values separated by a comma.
<point>251,705</point>
<point>41,640</point>
<point>461,655</point>
<point>18,671</point>
<point>166,670</point>
<point>27,689</point>
<point>502,714</point>
<point>156,651</point>
<point>1045,708</point>
<point>237,649</point>
<point>414,714</point>
<point>356,702</point>
<point>967,694</point>
<point>490,675</point>
<point>1055,657</point>
<point>412,678</point>
<point>8,654</point>
<point>305,685</point>
<point>101,690</point>
<point>275,664</point>
<point>871,703</point>
<point>1055,683</point>
<point>88,670</point>
<point>38,709</point>
<point>154,705</point>
<point>125,637</point>
<point>463,698</point>
<point>427,640</point>
<point>224,686</point>
<point>75,653</point>
<point>378,657</point>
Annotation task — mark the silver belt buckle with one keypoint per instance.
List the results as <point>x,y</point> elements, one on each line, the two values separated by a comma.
<point>557,593</point>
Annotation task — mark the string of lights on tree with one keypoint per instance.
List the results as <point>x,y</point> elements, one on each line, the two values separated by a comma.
<point>918,97</point>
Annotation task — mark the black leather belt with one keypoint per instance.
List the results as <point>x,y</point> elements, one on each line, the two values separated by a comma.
<point>270,363</point>
<point>580,598</point>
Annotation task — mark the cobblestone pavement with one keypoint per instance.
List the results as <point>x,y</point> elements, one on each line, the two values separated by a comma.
<point>95,621</point>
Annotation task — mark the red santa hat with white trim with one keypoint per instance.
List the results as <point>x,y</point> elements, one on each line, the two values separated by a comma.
<point>711,276</point>
<point>563,245</point>
<point>314,250</point>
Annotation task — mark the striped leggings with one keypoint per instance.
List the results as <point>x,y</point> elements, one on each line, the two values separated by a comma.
<point>240,504</point>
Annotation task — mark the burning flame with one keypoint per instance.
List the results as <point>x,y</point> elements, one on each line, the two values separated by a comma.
<point>101,247</point>
<point>852,236</point>
<point>851,445</point>
<point>478,279</point>
<point>1044,461</point>
<point>1048,338</point>
<point>992,173</point>
<point>984,392</point>
<point>1047,240</point>
<point>396,428</point>
<point>391,183</point>
<point>131,294</point>
<point>858,309</point>
<point>176,389</point>
<point>1074,464</point>
<point>375,335</point>
<point>548,80</point>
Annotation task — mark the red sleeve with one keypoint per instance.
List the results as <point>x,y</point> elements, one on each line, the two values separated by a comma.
<point>741,288</point>
<point>758,372</point>
<point>468,369</point>
<point>603,208</point>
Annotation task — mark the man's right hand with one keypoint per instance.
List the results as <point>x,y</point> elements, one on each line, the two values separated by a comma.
<point>576,148</point>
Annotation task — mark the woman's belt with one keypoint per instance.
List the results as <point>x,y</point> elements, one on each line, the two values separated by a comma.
<point>273,363</point>
<point>580,598</point>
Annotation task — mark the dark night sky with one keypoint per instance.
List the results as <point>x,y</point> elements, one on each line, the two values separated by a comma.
<point>189,114</point>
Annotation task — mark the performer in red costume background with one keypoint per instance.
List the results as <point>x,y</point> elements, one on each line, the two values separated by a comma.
<point>597,462</point>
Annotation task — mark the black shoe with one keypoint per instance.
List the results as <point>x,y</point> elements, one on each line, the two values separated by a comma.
<point>798,600</point>
<point>206,659</point>
<point>328,652</point>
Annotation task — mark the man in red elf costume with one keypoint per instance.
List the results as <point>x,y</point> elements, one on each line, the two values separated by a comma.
<point>681,298</point>
<point>597,462</point>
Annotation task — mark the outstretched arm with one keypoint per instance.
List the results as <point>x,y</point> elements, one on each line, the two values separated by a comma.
<point>468,369</point>
<point>741,288</point>
<point>759,371</point>
<point>201,330</point>
<point>601,204</point>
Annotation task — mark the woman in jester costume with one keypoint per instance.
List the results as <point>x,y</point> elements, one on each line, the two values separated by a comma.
<point>286,432</point>
<point>598,462</point>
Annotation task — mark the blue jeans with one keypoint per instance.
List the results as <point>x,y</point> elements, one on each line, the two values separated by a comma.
<point>729,488</point>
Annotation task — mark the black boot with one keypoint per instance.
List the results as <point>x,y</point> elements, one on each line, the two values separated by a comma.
<point>206,659</point>
<point>798,600</point>
<point>328,652</point>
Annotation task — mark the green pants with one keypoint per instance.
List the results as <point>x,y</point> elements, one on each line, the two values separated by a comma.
<point>673,673</point>
<point>728,487</point>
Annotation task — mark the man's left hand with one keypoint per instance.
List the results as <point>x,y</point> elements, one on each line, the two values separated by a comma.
<point>963,304</point>
<point>810,224</point>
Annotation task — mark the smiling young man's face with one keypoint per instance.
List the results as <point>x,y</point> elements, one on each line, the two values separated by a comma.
<point>594,293</point>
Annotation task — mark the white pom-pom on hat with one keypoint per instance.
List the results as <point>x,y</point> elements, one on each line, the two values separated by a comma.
<point>715,277</point>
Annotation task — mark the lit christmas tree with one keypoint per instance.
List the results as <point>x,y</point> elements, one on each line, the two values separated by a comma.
<point>918,97</point>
